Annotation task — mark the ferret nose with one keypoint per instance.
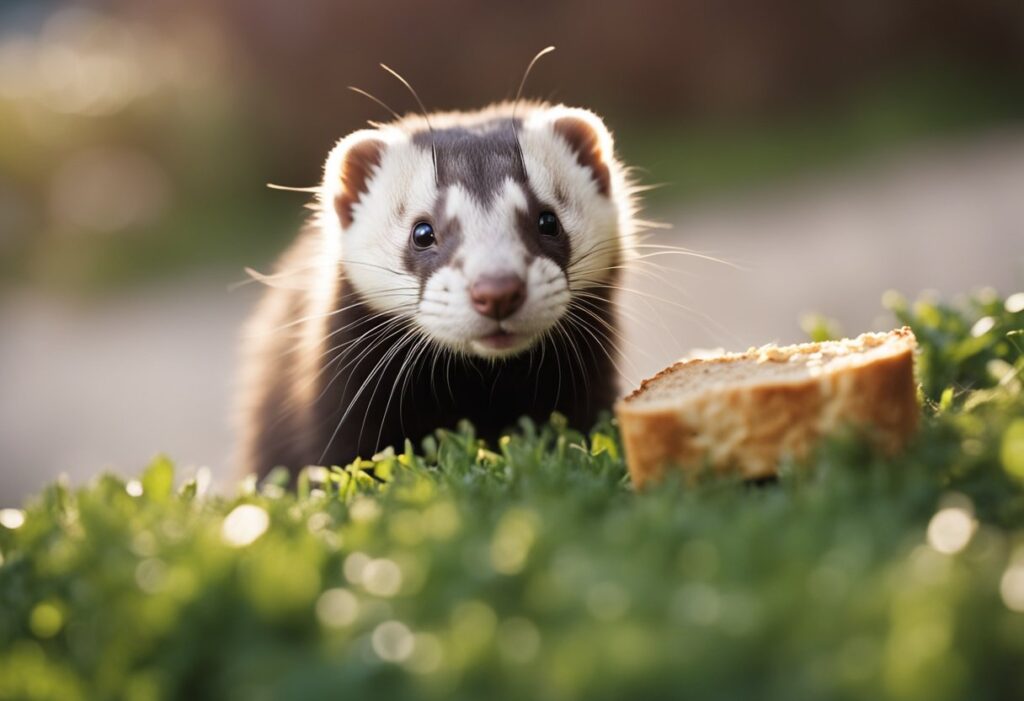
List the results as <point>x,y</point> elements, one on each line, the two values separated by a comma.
<point>498,296</point>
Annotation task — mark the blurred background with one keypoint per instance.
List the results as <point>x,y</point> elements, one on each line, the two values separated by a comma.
<point>826,152</point>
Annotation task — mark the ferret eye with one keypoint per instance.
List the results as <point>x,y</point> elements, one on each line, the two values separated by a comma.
<point>547,224</point>
<point>423,235</point>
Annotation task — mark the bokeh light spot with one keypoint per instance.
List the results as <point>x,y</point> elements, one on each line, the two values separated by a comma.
<point>12,518</point>
<point>393,641</point>
<point>382,577</point>
<point>46,619</point>
<point>1015,303</point>
<point>1011,587</point>
<point>337,608</point>
<point>244,525</point>
<point>354,565</point>
<point>950,530</point>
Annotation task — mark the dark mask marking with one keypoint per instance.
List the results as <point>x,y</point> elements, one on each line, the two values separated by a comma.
<point>557,248</point>
<point>479,158</point>
<point>425,263</point>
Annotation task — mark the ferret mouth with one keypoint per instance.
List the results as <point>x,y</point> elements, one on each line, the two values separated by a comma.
<point>501,340</point>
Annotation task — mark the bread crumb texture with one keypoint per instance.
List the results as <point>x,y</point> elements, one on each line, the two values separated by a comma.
<point>746,412</point>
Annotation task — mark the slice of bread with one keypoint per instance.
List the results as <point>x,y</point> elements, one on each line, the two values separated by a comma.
<point>747,411</point>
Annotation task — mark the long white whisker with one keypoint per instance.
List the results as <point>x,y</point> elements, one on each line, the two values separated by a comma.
<point>382,363</point>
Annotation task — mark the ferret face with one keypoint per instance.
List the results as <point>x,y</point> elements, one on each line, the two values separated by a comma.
<point>483,246</point>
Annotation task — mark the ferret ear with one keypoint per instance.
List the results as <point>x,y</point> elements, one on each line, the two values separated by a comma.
<point>349,170</point>
<point>590,140</point>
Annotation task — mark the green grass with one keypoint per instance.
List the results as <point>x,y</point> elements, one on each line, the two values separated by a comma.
<point>531,569</point>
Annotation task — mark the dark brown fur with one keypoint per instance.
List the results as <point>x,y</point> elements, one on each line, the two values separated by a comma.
<point>571,374</point>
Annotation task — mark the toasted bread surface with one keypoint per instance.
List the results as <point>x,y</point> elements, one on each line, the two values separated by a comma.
<point>746,412</point>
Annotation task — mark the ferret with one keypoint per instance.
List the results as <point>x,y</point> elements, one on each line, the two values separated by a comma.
<point>459,265</point>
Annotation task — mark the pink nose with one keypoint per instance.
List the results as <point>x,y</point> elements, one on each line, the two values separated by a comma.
<point>497,296</point>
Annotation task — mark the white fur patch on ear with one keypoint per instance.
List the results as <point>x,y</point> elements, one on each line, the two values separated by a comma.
<point>350,167</point>
<point>590,141</point>
<point>365,213</point>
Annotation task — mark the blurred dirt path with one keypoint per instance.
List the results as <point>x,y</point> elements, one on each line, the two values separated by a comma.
<point>88,387</point>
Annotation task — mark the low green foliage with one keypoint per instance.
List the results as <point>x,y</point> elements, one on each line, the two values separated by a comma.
<point>531,570</point>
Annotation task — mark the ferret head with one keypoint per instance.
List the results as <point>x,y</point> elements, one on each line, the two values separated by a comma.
<point>483,230</point>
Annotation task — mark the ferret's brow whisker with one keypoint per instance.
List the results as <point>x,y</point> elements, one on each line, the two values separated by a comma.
<point>360,91</point>
<point>426,116</point>
<point>515,104</point>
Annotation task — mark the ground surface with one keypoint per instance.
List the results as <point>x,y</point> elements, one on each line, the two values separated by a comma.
<point>85,387</point>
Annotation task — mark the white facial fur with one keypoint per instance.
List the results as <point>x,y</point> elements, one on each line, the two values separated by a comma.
<point>373,249</point>
<point>491,246</point>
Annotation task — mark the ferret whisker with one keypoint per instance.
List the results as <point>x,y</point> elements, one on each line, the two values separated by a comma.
<point>360,91</point>
<point>657,319</point>
<point>388,320</point>
<point>426,117</point>
<point>542,343</point>
<point>448,357</point>
<point>570,345</point>
<point>706,322</point>
<point>515,105</point>
<point>362,388</point>
<point>268,278</point>
<point>408,358</point>
<point>382,333</point>
<point>299,347</point>
<point>666,249</point>
<point>425,346</point>
<point>346,346</point>
<point>645,224</point>
<point>650,271</point>
<point>290,188</point>
<point>436,350</point>
<point>598,336</point>
<point>375,266</point>
<point>591,311</point>
<point>377,335</point>
<point>576,323</point>
<point>584,297</point>
<point>310,381</point>
<point>334,312</point>
<point>550,334</point>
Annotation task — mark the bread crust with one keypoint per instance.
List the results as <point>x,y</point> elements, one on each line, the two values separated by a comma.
<point>748,428</point>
